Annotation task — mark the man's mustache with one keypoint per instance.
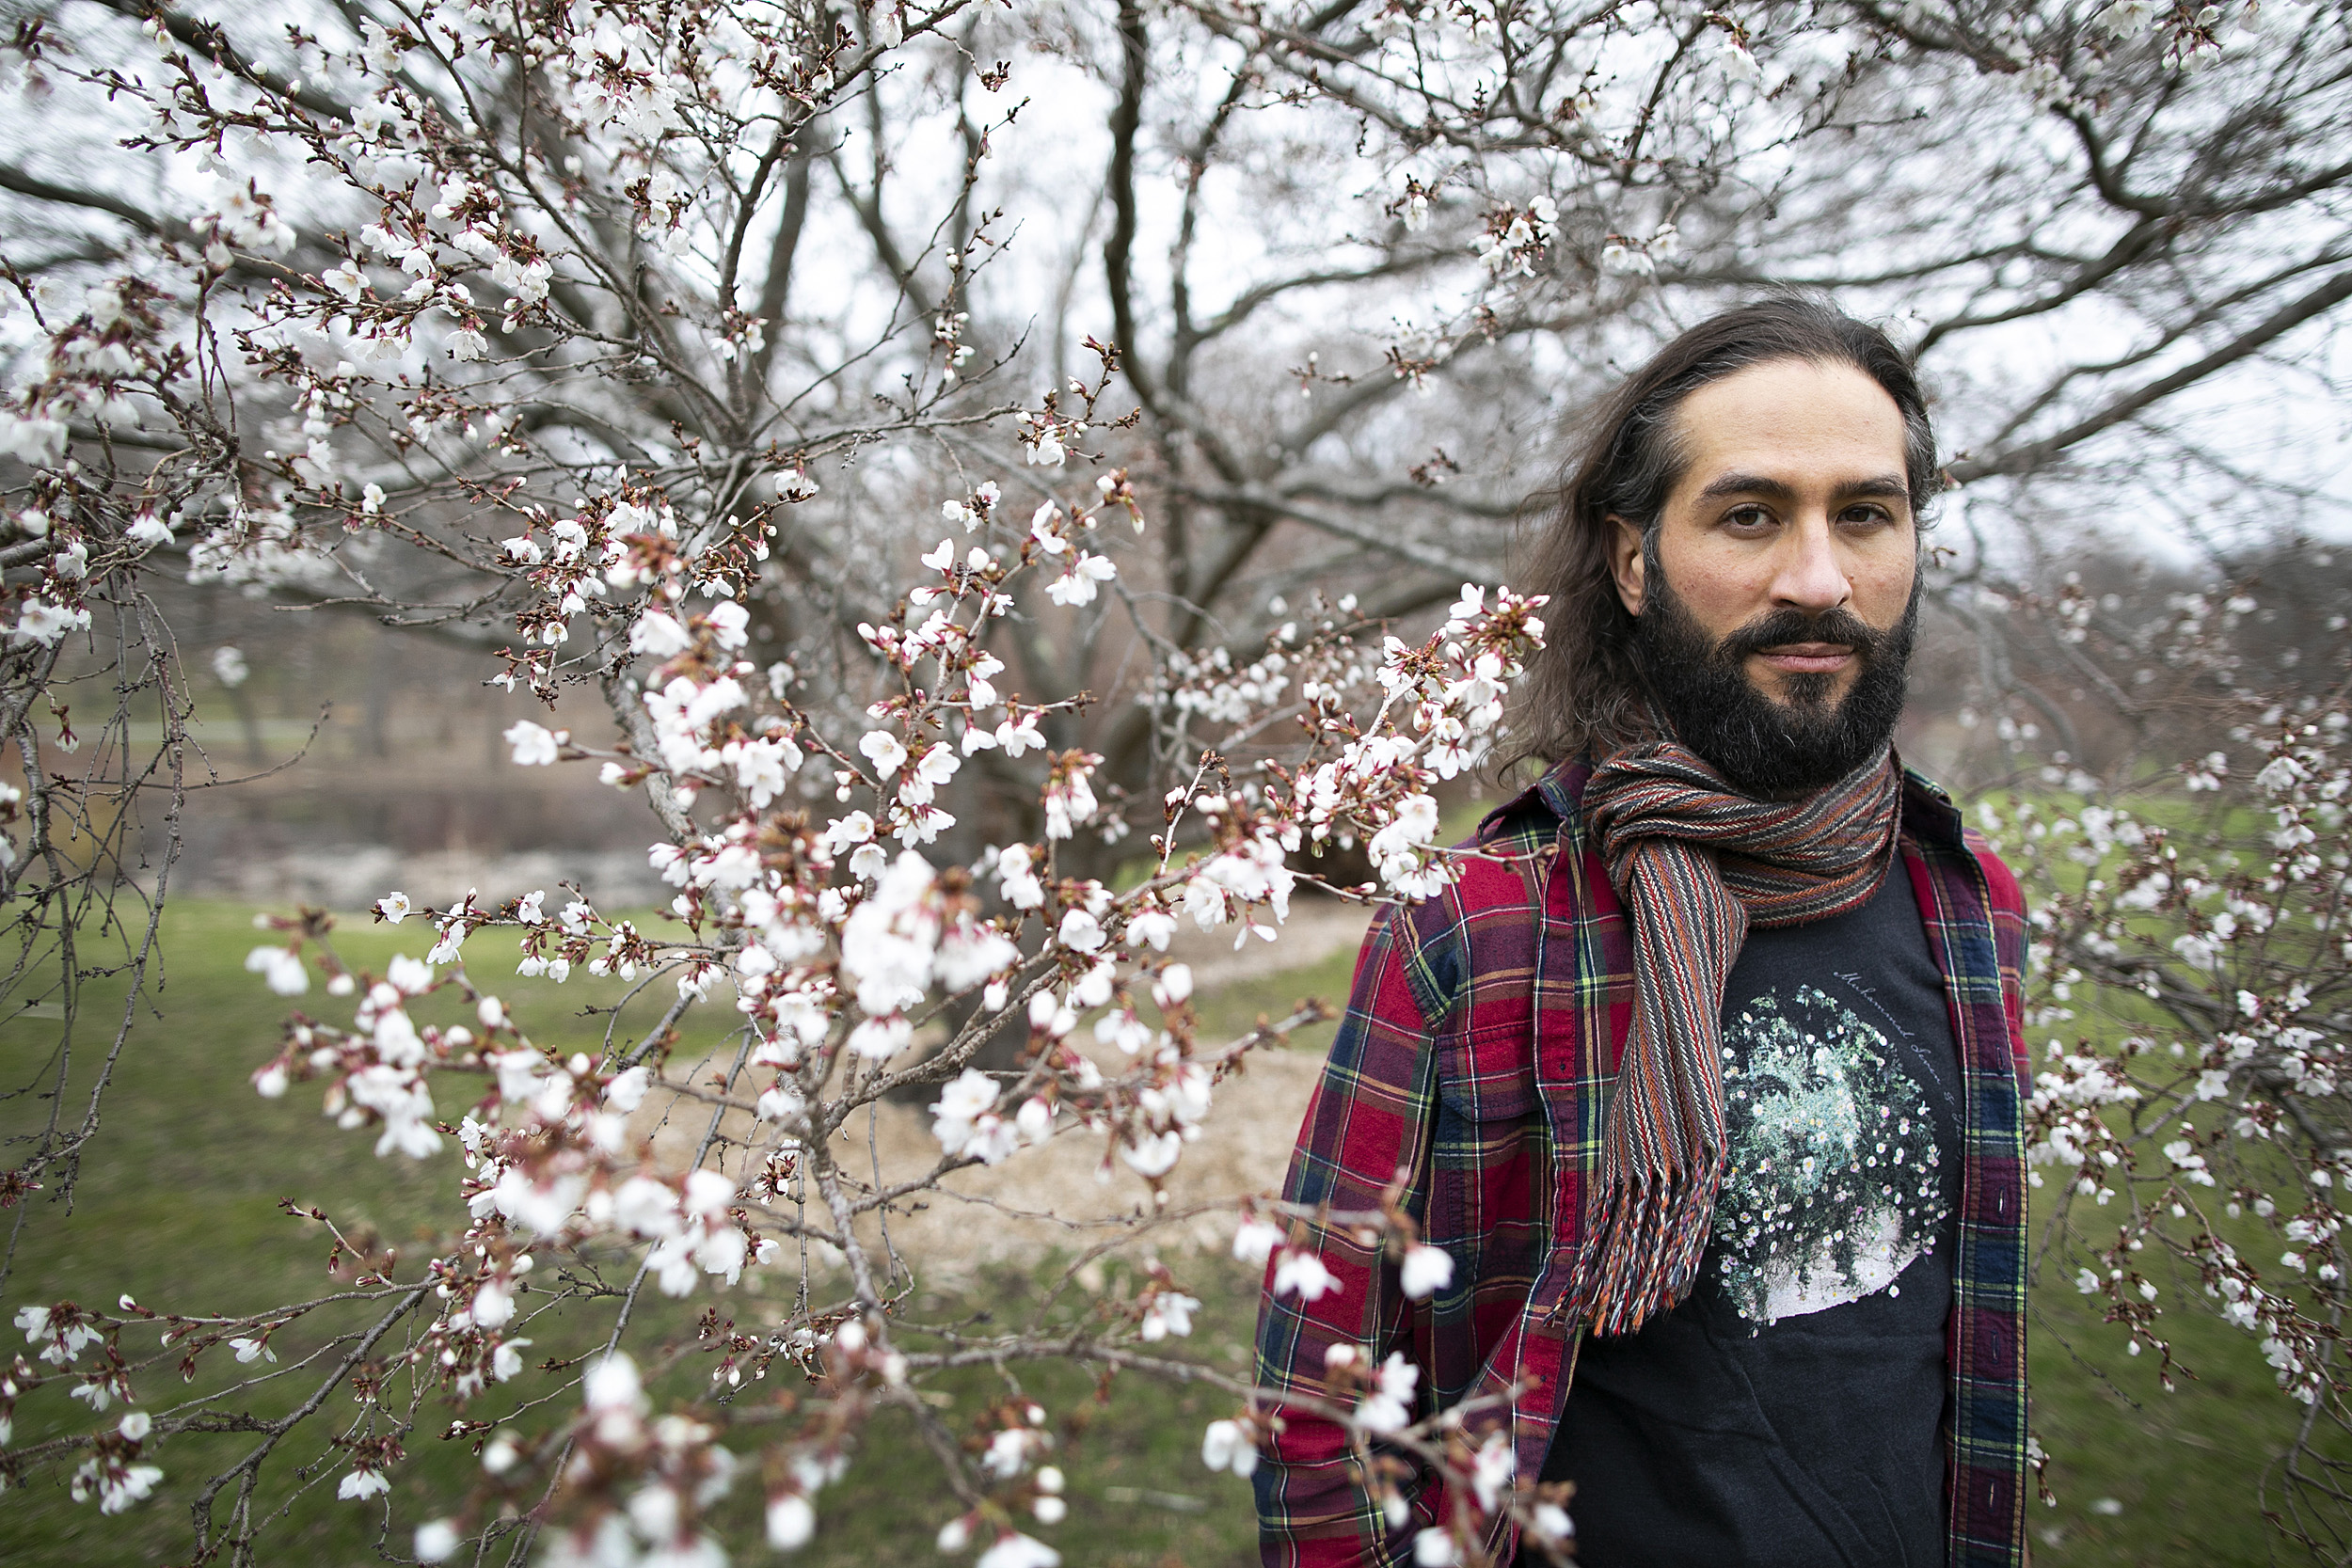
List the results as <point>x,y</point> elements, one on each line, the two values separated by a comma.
<point>1781,628</point>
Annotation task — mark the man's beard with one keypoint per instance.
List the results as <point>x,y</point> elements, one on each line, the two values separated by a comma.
<point>1764,749</point>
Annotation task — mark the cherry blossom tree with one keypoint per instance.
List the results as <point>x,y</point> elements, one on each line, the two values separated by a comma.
<point>521,266</point>
<point>2188,975</point>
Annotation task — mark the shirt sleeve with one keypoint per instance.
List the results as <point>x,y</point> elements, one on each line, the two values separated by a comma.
<point>1369,1118</point>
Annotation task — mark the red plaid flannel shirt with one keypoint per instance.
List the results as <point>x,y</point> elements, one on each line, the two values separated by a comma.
<point>1477,1053</point>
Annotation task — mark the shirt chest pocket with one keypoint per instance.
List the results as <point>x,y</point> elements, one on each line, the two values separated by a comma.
<point>1490,1148</point>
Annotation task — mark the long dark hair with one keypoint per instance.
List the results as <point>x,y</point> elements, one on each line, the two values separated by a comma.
<point>1583,691</point>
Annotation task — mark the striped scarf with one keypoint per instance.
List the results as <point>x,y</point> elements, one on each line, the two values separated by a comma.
<point>1697,865</point>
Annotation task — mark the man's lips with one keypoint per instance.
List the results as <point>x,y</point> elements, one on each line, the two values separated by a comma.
<point>1799,659</point>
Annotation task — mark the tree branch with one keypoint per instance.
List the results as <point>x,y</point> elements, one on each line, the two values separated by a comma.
<point>2025,459</point>
<point>1126,119</point>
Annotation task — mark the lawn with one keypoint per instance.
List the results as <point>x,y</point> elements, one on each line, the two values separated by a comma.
<point>178,1205</point>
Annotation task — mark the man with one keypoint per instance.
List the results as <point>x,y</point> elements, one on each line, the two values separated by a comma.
<point>1706,1075</point>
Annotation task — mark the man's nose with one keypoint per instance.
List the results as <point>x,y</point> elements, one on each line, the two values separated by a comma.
<point>1811,576</point>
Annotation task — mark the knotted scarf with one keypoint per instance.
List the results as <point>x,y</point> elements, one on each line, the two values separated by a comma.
<point>1697,865</point>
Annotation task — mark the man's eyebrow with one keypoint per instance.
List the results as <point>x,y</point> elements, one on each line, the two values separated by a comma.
<point>1890,486</point>
<point>1746,485</point>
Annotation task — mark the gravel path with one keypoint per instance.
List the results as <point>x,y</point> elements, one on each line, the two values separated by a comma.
<point>1069,1195</point>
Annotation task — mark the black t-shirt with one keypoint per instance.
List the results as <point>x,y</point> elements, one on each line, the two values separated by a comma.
<point>1790,1414</point>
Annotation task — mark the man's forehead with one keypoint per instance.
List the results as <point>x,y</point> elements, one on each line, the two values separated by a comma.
<point>1788,419</point>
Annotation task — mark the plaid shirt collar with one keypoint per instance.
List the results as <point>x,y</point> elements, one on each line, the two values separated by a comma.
<point>1929,813</point>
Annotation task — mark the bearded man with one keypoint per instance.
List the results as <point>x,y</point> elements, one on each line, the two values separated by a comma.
<point>1707,1074</point>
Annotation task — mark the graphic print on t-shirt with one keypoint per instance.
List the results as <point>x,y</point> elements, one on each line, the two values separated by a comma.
<point>1832,1189</point>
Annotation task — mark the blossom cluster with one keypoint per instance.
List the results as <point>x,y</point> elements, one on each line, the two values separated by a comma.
<point>2187,1051</point>
<point>855,962</point>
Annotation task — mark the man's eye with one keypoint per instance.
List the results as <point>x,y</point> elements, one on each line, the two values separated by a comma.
<point>1865,516</point>
<point>1748,519</point>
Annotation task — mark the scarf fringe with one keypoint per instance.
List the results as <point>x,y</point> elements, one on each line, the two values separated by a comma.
<point>1641,1257</point>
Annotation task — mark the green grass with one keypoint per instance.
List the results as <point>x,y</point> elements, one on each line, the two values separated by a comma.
<point>178,1205</point>
<point>1232,1008</point>
<point>2142,1475</point>
<point>1138,1494</point>
<point>2179,1470</point>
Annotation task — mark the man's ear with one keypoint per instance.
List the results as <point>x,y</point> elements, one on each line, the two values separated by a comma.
<point>1625,563</point>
